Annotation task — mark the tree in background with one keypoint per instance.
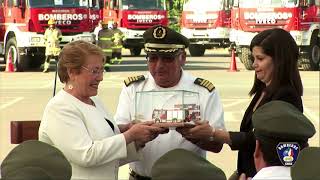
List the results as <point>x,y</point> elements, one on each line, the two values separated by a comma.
<point>175,9</point>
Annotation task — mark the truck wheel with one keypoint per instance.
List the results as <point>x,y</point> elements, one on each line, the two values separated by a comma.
<point>311,63</point>
<point>135,51</point>
<point>246,58</point>
<point>20,62</point>
<point>196,50</point>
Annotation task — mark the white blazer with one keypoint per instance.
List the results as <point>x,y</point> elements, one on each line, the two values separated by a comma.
<point>83,134</point>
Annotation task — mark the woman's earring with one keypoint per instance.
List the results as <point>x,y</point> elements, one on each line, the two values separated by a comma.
<point>70,86</point>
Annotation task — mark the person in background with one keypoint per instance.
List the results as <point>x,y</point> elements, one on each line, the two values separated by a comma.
<point>307,164</point>
<point>35,160</point>
<point>281,132</point>
<point>76,121</point>
<point>52,38</point>
<point>166,56</point>
<point>117,39</point>
<point>181,164</point>
<point>96,31</point>
<point>105,43</point>
<point>276,77</point>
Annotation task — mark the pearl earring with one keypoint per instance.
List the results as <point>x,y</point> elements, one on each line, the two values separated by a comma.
<point>70,86</point>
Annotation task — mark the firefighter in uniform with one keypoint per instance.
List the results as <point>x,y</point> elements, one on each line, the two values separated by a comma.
<point>105,42</point>
<point>117,39</point>
<point>166,56</point>
<point>52,38</point>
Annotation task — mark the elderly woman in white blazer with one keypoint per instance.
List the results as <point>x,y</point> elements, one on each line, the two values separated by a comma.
<point>76,122</point>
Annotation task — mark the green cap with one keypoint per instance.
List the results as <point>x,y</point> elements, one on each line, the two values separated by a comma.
<point>35,160</point>
<point>307,165</point>
<point>161,39</point>
<point>281,120</point>
<point>180,164</point>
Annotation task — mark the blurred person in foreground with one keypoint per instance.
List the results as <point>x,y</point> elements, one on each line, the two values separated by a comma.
<point>35,160</point>
<point>276,77</point>
<point>307,165</point>
<point>76,122</point>
<point>281,132</point>
<point>52,37</point>
<point>166,56</point>
<point>181,164</point>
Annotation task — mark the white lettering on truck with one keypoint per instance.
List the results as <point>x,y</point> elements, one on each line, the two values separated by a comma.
<point>267,17</point>
<point>61,17</point>
<point>145,18</point>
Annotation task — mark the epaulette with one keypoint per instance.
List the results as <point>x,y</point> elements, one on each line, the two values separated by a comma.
<point>133,79</point>
<point>204,83</point>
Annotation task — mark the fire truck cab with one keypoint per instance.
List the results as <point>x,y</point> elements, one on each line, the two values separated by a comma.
<point>134,17</point>
<point>206,24</point>
<point>23,23</point>
<point>299,17</point>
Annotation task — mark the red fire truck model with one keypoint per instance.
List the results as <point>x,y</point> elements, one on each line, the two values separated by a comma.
<point>23,23</point>
<point>206,24</point>
<point>134,17</point>
<point>299,17</point>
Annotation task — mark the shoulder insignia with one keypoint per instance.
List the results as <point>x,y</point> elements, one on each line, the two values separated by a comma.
<point>204,83</point>
<point>133,79</point>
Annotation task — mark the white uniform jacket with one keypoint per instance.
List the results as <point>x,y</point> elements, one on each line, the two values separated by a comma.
<point>210,109</point>
<point>84,136</point>
<point>274,173</point>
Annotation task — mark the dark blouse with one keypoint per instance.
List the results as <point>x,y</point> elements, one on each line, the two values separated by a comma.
<point>244,141</point>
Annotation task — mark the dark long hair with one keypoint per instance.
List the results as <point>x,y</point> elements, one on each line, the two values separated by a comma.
<point>284,51</point>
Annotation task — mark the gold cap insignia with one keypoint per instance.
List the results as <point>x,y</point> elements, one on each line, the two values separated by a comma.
<point>159,32</point>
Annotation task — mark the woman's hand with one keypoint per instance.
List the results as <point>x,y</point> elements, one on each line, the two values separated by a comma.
<point>244,177</point>
<point>124,127</point>
<point>142,133</point>
<point>202,130</point>
<point>202,135</point>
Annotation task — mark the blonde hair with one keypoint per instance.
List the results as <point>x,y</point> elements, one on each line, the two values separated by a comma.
<point>73,56</point>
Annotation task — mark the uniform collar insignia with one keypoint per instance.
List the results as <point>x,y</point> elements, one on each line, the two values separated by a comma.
<point>159,32</point>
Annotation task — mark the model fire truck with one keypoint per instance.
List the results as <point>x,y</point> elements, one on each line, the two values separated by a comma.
<point>178,114</point>
<point>299,17</point>
<point>23,23</point>
<point>206,24</point>
<point>134,17</point>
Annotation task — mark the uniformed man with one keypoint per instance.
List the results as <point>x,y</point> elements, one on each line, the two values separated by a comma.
<point>117,43</point>
<point>105,42</point>
<point>166,56</point>
<point>35,160</point>
<point>181,164</point>
<point>281,131</point>
<point>52,38</point>
<point>307,164</point>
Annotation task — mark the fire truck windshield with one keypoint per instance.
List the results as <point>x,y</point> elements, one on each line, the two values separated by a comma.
<point>204,5</point>
<point>59,3</point>
<point>143,4</point>
<point>267,3</point>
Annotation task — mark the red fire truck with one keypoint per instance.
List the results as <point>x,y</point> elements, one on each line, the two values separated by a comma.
<point>134,17</point>
<point>23,24</point>
<point>299,17</point>
<point>206,24</point>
